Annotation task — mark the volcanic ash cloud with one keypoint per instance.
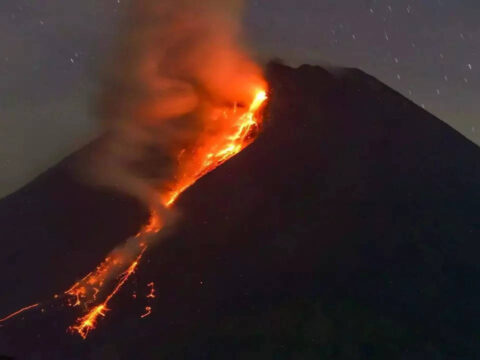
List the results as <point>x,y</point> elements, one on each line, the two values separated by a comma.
<point>181,97</point>
<point>176,63</point>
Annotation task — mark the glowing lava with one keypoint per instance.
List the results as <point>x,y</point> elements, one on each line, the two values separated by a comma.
<point>148,311</point>
<point>217,150</point>
<point>206,156</point>
<point>18,312</point>
<point>88,322</point>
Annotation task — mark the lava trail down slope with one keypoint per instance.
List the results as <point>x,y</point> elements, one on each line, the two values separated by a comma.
<point>348,230</point>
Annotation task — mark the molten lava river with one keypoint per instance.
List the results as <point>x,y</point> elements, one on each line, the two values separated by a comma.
<point>93,293</point>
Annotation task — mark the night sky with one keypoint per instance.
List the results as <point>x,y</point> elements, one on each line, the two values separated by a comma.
<point>51,52</point>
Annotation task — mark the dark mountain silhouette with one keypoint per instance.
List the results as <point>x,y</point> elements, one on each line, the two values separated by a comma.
<point>348,230</point>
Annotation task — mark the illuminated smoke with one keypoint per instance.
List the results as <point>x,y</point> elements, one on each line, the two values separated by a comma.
<point>180,98</point>
<point>176,62</point>
<point>178,65</point>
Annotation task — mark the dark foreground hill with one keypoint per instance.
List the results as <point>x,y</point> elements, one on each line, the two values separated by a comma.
<point>348,230</point>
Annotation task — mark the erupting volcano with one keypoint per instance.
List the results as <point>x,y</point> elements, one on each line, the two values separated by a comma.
<point>245,125</point>
<point>349,216</point>
<point>181,99</point>
<point>339,221</point>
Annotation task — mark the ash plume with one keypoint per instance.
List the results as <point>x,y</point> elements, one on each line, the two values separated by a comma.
<point>175,62</point>
<point>178,71</point>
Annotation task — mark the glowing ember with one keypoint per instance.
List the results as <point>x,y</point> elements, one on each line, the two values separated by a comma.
<point>208,157</point>
<point>148,311</point>
<point>89,321</point>
<point>151,295</point>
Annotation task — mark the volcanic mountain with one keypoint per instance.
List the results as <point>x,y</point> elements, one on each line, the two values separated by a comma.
<point>348,230</point>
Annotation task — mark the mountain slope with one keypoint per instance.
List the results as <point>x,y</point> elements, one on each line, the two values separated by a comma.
<point>347,230</point>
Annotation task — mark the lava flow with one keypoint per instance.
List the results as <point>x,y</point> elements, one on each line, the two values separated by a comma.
<point>87,322</point>
<point>206,158</point>
<point>18,312</point>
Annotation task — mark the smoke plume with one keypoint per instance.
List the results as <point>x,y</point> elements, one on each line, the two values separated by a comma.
<point>176,62</point>
<point>178,99</point>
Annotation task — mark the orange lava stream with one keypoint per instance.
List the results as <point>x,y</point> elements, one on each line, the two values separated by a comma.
<point>88,322</point>
<point>18,312</point>
<point>204,159</point>
<point>151,294</point>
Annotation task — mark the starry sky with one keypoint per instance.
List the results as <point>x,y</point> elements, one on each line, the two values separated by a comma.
<point>51,52</point>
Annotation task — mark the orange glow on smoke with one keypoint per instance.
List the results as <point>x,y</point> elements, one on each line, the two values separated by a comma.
<point>214,153</point>
<point>240,130</point>
<point>210,154</point>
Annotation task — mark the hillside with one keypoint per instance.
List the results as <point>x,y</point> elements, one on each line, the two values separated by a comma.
<point>348,230</point>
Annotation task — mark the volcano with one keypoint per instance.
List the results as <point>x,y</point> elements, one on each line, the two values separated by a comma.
<point>348,230</point>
